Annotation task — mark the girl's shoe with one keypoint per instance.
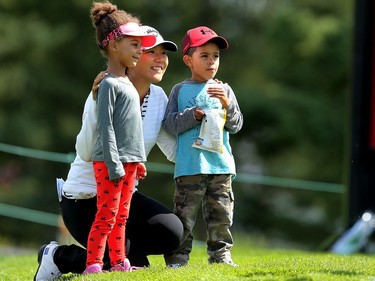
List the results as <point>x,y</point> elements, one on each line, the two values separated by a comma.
<point>124,266</point>
<point>94,268</point>
<point>134,268</point>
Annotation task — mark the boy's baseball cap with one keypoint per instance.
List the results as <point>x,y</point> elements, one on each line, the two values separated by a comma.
<point>199,36</point>
<point>169,45</point>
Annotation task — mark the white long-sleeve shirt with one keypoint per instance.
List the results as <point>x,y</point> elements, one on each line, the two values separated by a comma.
<point>80,183</point>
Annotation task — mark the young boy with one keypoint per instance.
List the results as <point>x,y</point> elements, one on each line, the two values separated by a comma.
<point>204,174</point>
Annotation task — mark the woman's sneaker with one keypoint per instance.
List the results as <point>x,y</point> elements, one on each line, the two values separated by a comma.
<point>47,269</point>
<point>94,268</point>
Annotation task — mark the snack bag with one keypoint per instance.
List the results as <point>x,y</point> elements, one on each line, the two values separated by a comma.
<point>211,134</point>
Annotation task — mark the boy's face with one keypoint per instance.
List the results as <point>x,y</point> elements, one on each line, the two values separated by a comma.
<point>204,62</point>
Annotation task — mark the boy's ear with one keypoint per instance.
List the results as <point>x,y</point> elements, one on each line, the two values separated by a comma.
<point>187,60</point>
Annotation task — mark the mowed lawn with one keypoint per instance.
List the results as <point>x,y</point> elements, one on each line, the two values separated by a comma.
<point>254,264</point>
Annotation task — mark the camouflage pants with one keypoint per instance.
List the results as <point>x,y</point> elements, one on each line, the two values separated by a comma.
<point>214,193</point>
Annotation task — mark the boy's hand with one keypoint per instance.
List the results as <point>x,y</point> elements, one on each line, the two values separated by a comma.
<point>141,171</point>
<point>219,93</point>
<point>95,85</point>
<point>198,114</point>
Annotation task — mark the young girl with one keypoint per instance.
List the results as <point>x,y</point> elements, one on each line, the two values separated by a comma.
<point>119,150</point>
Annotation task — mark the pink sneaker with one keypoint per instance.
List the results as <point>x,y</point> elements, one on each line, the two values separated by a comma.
<point>124,266</point>
<point>134,268</point>
<point>94,268</point>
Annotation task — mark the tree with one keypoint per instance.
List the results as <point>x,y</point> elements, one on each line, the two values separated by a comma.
<point>288,63</point>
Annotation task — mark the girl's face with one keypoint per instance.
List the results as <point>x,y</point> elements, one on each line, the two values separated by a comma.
<point>129,50</point>
<point>204,62</point>
<point>152,65</point>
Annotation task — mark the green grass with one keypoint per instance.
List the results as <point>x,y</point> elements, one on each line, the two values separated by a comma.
<point>254,264</point>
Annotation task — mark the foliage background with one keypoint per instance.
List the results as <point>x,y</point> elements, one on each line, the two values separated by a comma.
<point>289,63</point>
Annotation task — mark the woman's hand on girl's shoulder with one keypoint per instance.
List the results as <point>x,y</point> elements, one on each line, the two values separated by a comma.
<point>96,84</point>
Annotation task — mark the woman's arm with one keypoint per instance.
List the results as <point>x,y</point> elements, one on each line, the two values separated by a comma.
<point>88,134</point>
<point>167,144</point>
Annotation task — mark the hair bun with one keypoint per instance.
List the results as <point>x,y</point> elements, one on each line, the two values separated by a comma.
<point>99,11</point>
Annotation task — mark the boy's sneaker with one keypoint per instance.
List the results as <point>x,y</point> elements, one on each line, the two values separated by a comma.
<point>47,269</point>
<point>174,265</point>
<point>228,262</point>
<point>231,263</point>
<point>94,268</point>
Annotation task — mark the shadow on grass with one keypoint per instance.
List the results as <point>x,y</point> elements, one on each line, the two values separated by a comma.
<point>68,277</point>
<point>341,272</point>
<point>346,273</point>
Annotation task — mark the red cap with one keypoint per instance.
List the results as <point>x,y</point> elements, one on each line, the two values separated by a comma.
<point>201,35</point>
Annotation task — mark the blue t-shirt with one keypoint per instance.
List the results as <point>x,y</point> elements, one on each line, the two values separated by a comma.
<point>179,119</point>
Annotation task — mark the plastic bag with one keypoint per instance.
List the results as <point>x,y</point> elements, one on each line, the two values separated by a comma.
<point>211,134</point>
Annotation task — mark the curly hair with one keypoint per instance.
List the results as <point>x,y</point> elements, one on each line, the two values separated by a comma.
<point>106,17</point>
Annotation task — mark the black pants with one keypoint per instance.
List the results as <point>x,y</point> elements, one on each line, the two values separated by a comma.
<point>151,229</point>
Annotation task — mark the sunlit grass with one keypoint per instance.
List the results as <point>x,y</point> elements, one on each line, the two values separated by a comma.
<point>254,264</point>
